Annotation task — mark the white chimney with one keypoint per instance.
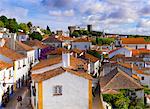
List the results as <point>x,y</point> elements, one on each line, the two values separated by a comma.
<point>66,59</point>
<point>12,41</point>
<point>2,42</point>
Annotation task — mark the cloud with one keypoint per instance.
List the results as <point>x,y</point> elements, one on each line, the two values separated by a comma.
<point>60,13</point>
<point>127,16</point>
<point>16,12</point>
<point>56,3</point>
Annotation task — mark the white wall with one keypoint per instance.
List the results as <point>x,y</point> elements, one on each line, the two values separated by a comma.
<point>23,69</point>
<point>123,51</point>
<point>74,92</point>
<point>138,46</point>
<point>81,45</point>
<point>96,66</point>
<point>146,80</point>
<point>31,56</point>
<point>8,79</point>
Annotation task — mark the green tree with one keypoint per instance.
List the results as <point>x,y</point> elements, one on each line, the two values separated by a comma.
<point>1,24</point>
<point>4,20</point>
<point>76,34</point>
<point>47,31</point>
<point>36,35</point>
<point>12,25</point>
<point>85,32</point>
<point>118,101</point>
<point>47,28</point>
<point>29,24</point>
<point>24,27</point>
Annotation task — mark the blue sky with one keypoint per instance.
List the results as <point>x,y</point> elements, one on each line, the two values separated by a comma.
<point>114,16</point>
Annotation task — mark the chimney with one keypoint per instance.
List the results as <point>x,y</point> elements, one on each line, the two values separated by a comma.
<point>66,59</point>
<point>12,41</point>
<point>2,42</point>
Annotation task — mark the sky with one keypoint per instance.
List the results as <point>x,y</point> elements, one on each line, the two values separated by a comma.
<point>113,16</point>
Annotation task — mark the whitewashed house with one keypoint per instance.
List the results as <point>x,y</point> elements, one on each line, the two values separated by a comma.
<point>21,48</point>
<point>21,36</point>
<point>1,34</point>
<point>81,43</point>
<point>93,64</point>
<point>6,82</point>
<point>123,50</point>
<point>134,43</point>
<point>118,79</point>
<point>61,83</point>
<point>20,65</point>
<point>52,41</point>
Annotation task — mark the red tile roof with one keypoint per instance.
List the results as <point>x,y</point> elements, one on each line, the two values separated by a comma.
<point>82,40</point>
<point>74,62</point>
<point>4,65</point>
<point>36,43</point>
<point>10,53</point>
<point>91,57</point>
<point>57,51</point>
<point>52,73</point>
<point>134,41</point>
<point>140,51</point>
<point>118,79</point>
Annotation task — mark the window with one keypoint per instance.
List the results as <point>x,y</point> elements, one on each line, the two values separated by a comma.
<point>80,67</point>
<point>142,77</point>
<point>24,63</point>
<point>57,90</point>
<point>85,46</point>
<point>9,74</point>
<point>19,65</point>
<point>145,46</point>
<point>136,47</point>
<point>75,46</point>
<point>33,91</point>
<point>4,76</point>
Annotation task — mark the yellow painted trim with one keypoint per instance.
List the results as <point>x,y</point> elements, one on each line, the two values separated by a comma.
<point>40,95</point>
<point>90,94</point>
<point>15,71</point>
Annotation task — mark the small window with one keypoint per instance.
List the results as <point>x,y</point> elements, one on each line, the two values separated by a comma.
<point>19,65</point>
<point>80,67</point>
<point>24,63</point>
<point>136,47</point>
<point>9,74</point>
<point>85,46</point>
<point>57,90</point>
<point>142,77</point>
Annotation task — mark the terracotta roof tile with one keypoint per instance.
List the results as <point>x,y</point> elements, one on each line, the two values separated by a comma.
<point>140,51</point>
<point>57,71</point>
<point>76,50</point>
<point>36,43</point>
<point>118,79</point>
<point>10,53</point>
<point>91,57</point>
<point>74,62</point>
<point>47,62</point>
<point>134,41</point>
<point>64,38</point>
<point>51,39</point>
<point>57,51</point>
<point>4,65</point>
<point>82,40</point>
<point>110,91</point>
<point>18,45</point>
<point>135,77</point>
